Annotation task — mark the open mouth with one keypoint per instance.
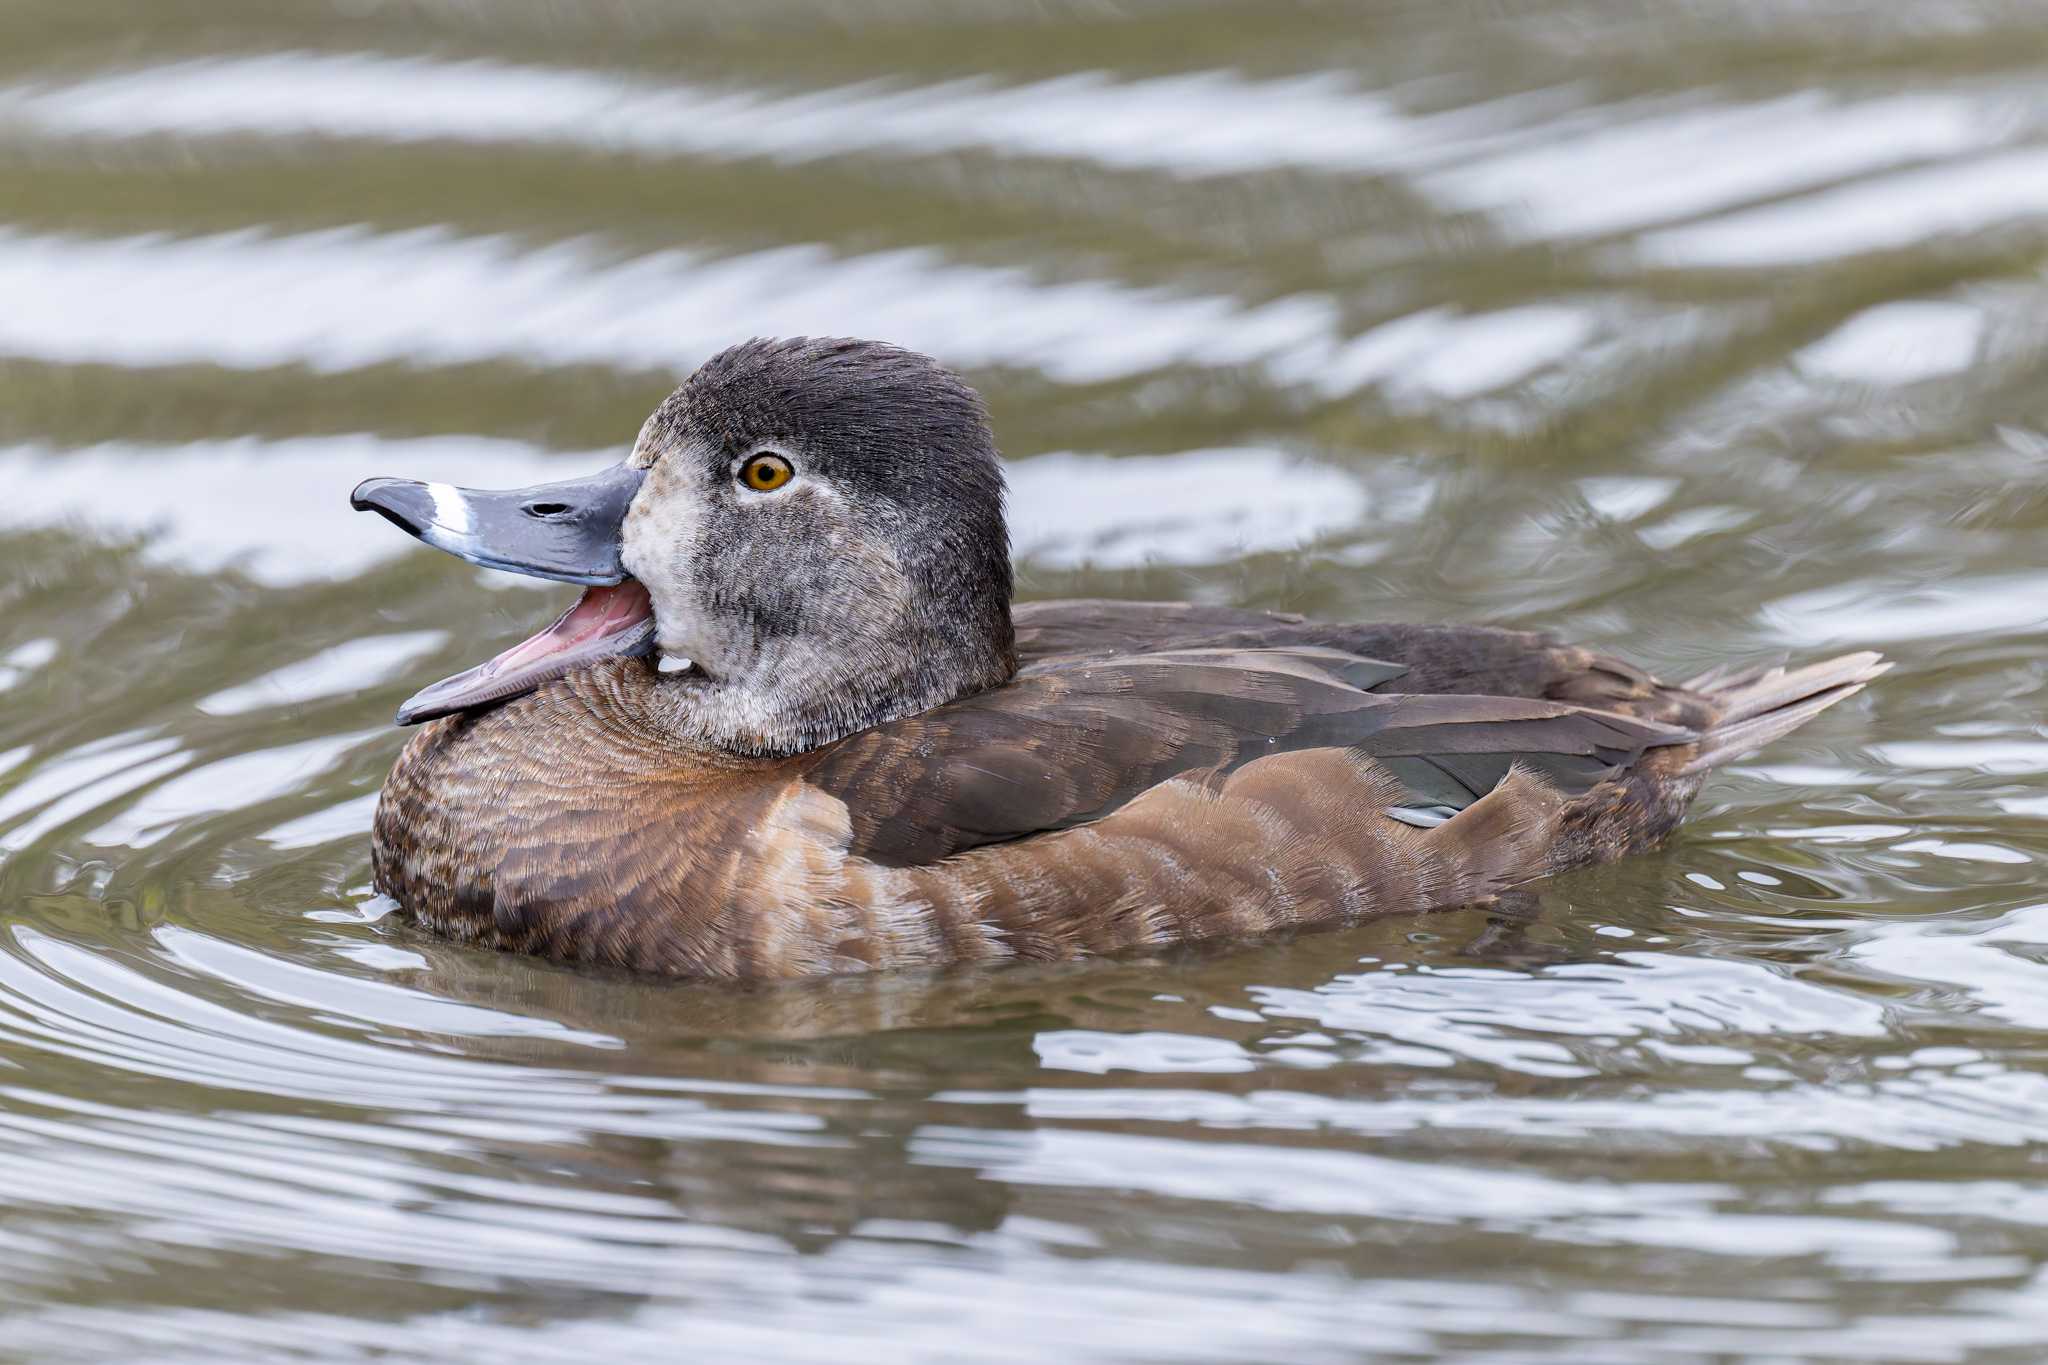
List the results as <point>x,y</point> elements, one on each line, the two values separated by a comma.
<point>618,619</point>
<point>568,531</point>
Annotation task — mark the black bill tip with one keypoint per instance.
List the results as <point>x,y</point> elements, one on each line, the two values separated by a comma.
<point>405,503</point>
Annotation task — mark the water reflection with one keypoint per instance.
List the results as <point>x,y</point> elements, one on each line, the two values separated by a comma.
<point>247,301</point>
<point>1201,123</point>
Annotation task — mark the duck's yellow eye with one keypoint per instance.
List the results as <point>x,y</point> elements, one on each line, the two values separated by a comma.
<point>764,473</point>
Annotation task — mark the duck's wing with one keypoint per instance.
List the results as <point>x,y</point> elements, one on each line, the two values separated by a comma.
<point>1050,633</point>
<point>1481,660</point>
<point>1077,737</point>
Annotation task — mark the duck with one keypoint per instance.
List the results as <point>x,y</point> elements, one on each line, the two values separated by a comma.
<point>795,725</point>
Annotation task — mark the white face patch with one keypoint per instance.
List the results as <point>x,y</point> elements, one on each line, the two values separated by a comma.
<point>660,531</point>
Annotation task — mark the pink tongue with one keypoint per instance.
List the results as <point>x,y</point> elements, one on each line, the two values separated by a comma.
<point>604,621</point>
<point>598,614</point>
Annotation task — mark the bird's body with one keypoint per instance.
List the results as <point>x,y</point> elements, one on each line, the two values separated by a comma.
<point>1155,774</point>
<point>794,726</point>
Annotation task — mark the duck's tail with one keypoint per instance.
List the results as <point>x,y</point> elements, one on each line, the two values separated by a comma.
<point>1757,705</point>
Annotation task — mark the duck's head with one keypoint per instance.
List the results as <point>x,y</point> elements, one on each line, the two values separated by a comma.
<point>807,539</point>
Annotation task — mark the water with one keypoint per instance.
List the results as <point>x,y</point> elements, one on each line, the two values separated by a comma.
<point>1698,331</point>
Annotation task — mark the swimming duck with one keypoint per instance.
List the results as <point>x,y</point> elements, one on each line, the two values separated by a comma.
<point>794,724</point>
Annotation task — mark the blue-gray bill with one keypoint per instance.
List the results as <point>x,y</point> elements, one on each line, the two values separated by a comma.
<point>568,531</point>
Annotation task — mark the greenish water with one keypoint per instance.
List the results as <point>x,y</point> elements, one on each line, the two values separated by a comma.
<point>1696,331</point>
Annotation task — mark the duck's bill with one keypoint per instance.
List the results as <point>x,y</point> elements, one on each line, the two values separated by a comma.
<point>568,531</point>
<point>605,621</point>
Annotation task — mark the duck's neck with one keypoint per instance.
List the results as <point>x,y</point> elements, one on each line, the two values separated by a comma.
<point>801,693</point>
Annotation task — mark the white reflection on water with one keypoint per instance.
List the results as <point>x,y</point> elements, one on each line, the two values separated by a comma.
<point>1874,612</point>
<point>863,1305</point>
<point>345,298</point>
<point>1545,166</point>
<point>1492,350</point>
<point>377,1003</point>
<point>1440,355</point>
<point>24,659</point>
<point>1993,964</point>
<point>1199,123</point>
<point>1923,1109</point>
<point>279,512</point>
<point>346,667</point>
<point>1643,166</point>
<point>1554,1022</point>
<point>1099,1053</point>
<point>84,779</point>
<point>1627,497</point>
<point>226,784</point>
<point>2004,754</point>
<point>1875,214</point>
<point>1898,343</point>
<point>1534,158</point>
<point>97,1006</point>
<point>1200,507</point>
<point>348,820</point>
<point>1306,1179</point>
<point>863,1301</point>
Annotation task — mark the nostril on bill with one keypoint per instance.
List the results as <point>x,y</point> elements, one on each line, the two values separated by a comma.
<point>546,509</point>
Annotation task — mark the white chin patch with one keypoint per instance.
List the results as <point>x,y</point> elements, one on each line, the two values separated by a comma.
<point>672,664</point>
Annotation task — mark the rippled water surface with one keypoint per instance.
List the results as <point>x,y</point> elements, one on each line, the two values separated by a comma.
<point>1700,331</point>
